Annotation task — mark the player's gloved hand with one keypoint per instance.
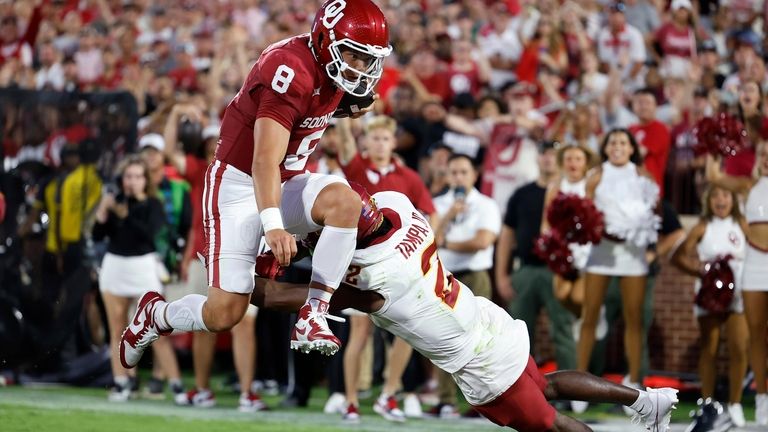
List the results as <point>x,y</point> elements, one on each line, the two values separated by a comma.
<point>355,106</point>
<point>268,267</point>
<point>282,244</point>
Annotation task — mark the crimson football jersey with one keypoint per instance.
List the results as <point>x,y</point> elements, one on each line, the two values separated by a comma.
<point>287,85</point>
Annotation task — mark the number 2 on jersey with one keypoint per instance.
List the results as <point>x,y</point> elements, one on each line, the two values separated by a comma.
<point>448,294</point>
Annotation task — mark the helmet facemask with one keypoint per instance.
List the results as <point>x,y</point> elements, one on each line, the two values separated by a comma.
<point>365,80</point>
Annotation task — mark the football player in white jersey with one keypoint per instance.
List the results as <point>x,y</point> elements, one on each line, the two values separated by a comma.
<point>397,277</point>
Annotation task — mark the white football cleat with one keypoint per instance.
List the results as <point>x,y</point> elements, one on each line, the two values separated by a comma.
<point>141,331</point>
<point>311,332</point>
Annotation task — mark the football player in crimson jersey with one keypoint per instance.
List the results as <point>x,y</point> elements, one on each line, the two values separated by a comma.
<point>397,277</point>
<point>257,185</point>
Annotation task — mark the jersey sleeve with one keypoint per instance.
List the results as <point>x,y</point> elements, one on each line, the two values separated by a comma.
<point>285,90</point>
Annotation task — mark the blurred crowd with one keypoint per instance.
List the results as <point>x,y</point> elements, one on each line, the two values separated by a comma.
<point>479,108</point>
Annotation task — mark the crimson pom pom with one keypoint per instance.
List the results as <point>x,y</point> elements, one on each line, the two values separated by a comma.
<point>717,285</point>
<point>553,249</point>
<point>576,219</point>
<point>721,135</point>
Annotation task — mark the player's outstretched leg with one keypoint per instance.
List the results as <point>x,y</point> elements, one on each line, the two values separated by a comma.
<point>653,406</point>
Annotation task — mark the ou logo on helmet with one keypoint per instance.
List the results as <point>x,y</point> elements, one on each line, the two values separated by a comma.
<point>333,13</point>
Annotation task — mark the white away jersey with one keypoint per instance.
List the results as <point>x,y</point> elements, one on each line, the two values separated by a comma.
<point>424,304</point>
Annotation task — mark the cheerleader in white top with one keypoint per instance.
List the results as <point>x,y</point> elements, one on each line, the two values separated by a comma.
<point>755,274</point>
<point>720,232</point>
<point>627,195</point>
<point>574,161</point>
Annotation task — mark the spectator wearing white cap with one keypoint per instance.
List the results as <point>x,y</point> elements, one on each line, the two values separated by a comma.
<point>676,41</point>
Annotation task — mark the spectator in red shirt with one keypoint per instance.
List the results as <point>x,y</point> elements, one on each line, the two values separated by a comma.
<point>377,169</point>
<point>651,134</point>
<point>184,75</point>
<point>677,40</point>
<point>2,207</point>
<point>13,46</point>
<point>465,73</point>
<point>427,76</point>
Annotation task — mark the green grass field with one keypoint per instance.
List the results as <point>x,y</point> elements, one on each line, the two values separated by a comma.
<point>68,409</point>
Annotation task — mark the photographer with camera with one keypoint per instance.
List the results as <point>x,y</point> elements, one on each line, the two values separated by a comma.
<point>67,198</point>
<point>467,227</point>
<point>130,215</point>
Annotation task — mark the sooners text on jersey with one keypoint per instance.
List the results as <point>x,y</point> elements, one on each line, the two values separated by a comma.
<point>287,85</point>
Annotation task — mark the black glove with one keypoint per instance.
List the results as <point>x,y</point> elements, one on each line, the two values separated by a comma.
<point>350,105</point>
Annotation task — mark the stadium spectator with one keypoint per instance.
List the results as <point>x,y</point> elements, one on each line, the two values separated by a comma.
<point>719,232</point>
<point>620,45</point>
<point>468,224</point>
<point>527,291</point>
<point>437,179</point>
<point>749,110</point>
<point>50,75</point>
<point>618,183</point>
<point>684,176</point>
<point>501,44</point>
<point>712,68</point>
<point>651,135</point>
<point>545,49</point>
<point>468,71</point>
<point>377,168</point>
<point>131,218</point>
<point>578,124</point>
<point>642,15</point>
<point>510,159</point>
<point>589,81</point>
<point>676,41</point>
<point>67,198</point>
<point>17,45</point>
<point>754,280</point>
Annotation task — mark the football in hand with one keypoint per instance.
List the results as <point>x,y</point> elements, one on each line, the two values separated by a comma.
<point>351,105</point>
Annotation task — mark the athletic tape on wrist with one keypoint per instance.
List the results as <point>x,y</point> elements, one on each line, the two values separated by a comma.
<point>271,218</point>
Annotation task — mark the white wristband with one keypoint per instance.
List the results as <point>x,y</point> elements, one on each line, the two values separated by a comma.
<point>271,218</point>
